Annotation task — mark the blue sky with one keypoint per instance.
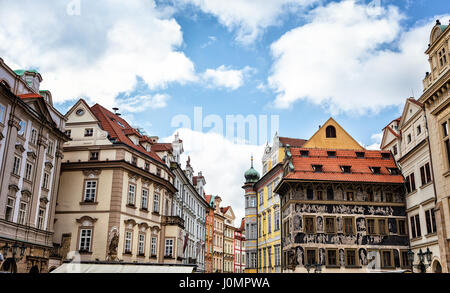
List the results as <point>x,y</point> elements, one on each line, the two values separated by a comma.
<point>303,60</point>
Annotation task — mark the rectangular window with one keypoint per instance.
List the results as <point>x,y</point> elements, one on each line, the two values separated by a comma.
<point>16,166</point>
<point>85,239</point>
<point>309,225</point>
<point>28,171</point>
<point>277,255</point>
<point>329,225</point>
<point>156,203</point>
<point>311,256</point>
<point>349,228</point>
<point>387,259</point>
<point>141,247</point>
<point>269,222</point>
<point>418,229</point>
<point>331,257</point>
<point>88,132</point>
<point>22,213</point>
<point>134,160</point>
<point>45,180</point>
<point>153,246</point>
<point>419,129</point>
<point>131,194</point>
<point>319,195</point>
<point>23,126</point>
<point>425,174</point>
<point>410,183</point>
<point>431,221</point>
<point>394,150</point>
<point>405,259</point>
<point>401,227</point>
<point>9,213</point>
<point>90,190</point>
<point>330,193</point>
<point>2,114</point>
<point>350,257</point>
<point>261,197</point>
<point>41,216</point>
<point>168,251</point>
<point>50,148</point>
<point>277,220</point>
<point>33,138</point>
<point>147,166</point>
<point>371,227</point>
<point>144,199</point>
<point>382,227</point>
<point>309,193</point>
<point>350,196</point>
<point>442,57</point>
<point>128,238</point>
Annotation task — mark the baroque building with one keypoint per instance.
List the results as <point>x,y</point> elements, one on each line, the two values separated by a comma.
<point>189,202</point>
<point>116,194</point>
<point>228,239</point>
<point>31,138</point>
<point>343,207</point>
<point>239,248</point>
<point>436,100</point>
<point>407,140</point>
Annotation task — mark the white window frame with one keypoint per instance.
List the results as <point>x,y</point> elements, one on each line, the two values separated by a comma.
<point>144,199</point>
<point>16,165</point>
<point>131,194</point>
<point>28,171</point>
<point>85,239</point>
<point>22,217</point>
<point>141,244</point>
<point>90,192</point>
<point>168,247</point>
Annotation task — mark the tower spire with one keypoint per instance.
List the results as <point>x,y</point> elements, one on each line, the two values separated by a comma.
<point>252,160</point>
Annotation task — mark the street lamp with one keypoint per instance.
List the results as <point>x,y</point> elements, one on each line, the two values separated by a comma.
<point>317,267</point>
<point>14,251</point>
<point>422,266</point>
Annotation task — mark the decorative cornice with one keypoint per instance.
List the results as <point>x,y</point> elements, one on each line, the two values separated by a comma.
<point>95,172</point>
<point>44,199</point>
<point>14,122</point>
<point>42,141</point>
<point>155,229</point>
<point>49,165</point>
<point>26,192</point>
<point>13,187</point>
<point>20,147</point>
<point>32,154</point>
<point>84,218</point>
<point>130,221</point>
<point>143,225</point>
<point>59,153</point>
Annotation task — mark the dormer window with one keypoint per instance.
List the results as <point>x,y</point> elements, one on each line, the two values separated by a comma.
<point>394,171</point>
<point>120,124</point>
<point>330,132</point>
<point>147,166</point>
<point>304,154</point>
<point>385,156</point>
<point>317,168</point>
<point>376,170</point>
<point>346,169</point>
<point>331,154</point>
<point>360,155</point>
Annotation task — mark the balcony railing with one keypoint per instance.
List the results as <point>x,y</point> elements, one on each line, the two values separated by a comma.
<point>173,220</point>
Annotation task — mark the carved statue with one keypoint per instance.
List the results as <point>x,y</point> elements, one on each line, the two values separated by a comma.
<point>112,248</point>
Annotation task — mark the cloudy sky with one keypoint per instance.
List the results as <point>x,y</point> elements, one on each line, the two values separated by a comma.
<point>161,61</point>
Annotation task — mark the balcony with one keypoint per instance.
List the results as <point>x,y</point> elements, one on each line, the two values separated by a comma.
<point>172,221</point>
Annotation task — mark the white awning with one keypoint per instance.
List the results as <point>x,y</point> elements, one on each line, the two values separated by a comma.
<point>120,268</point>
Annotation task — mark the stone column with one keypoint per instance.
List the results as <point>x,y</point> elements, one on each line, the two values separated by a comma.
<point>54,193</point>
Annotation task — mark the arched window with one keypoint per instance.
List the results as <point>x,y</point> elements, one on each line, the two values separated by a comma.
<point>331,132</point>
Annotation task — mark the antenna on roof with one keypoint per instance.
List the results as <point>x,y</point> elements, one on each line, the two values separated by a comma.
<point>412,92</point>
<point>115,109</point>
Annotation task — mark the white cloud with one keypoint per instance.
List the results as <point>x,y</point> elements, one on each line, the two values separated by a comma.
<point>376,138</point>
<point>144,102</point>
<point>223,164</point>
<point>249,17</point>
<point>98,53</point>
<point>350,57</point>
<point>225,77</point>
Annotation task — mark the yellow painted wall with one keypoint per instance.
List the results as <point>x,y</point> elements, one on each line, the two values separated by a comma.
<point>342,141</point>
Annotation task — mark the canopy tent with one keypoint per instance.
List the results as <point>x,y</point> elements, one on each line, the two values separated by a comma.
<point>121,268</point>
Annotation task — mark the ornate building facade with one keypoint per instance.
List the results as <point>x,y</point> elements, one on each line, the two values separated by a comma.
<point>239,248</point>
<point>228,239</point>
<point>436,100</point>
<point>31,138</point>
<point>115,194</point>
<point>407,140</point>
<point>343,207</point>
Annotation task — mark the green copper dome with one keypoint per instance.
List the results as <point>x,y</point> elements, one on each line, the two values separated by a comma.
<point>251,175</point>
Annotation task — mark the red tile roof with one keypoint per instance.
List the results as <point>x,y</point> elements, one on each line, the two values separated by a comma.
<point>295,142</point>
<point>225,209</point>
<point>331,170</point>
<point>208,198</point>
<point>416,102</point>
<point>30,96</point>
<point>161,147</point>
<point>108,122</point>
<point>194,180</point>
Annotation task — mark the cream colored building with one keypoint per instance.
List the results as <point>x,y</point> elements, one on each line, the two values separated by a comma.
<point>115,195</point>
<point>218,231</point>
<point>228,240</point>
<point>31,138</point>
<point>407,139</point>
<point>436,99</point>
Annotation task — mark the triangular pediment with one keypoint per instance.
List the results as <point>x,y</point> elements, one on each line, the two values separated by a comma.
<point>388,136</point>
<point>40,107</point>
<point>80,113</point>
<point>409,111</point>
<point>343,140</point>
